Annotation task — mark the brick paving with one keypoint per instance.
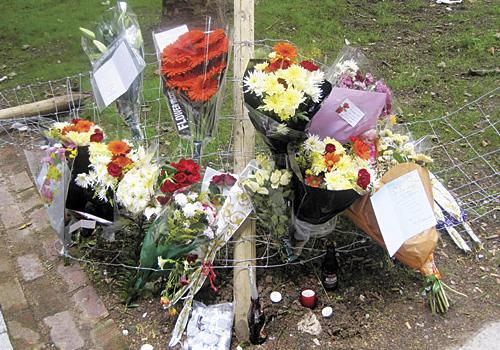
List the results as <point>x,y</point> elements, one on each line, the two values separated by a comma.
<point>44,304</point>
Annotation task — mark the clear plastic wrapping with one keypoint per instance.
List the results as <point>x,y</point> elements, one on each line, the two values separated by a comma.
<point>118,28</point>
<point>193,69</point>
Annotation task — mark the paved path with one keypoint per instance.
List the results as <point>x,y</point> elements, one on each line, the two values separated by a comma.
<point>487,338</point>
<point>43,303</point>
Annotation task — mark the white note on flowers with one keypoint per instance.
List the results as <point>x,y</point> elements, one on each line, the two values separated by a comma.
<point>115,76</point>
<point>348,111</point>
<point>167,37</point>
<point>402,210</point>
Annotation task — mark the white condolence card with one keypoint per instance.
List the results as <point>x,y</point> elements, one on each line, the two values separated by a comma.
<point>116,75</point>
<point>167,37</point>
<point>402,210</point>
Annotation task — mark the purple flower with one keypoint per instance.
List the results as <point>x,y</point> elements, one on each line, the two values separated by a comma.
<point>46,193</point>
<point>47,160</point>
<point>346,81</point>
<point>381,87</point>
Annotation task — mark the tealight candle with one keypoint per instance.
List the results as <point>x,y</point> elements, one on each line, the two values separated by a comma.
<point>308,298</point>
<point>275,297</point>
<point>327,312</point>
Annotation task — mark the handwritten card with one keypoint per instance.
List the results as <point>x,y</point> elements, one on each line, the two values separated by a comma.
<point>167,37</point>
<point>348,111</point>
<point>402,210</point>
<point>115,76</point>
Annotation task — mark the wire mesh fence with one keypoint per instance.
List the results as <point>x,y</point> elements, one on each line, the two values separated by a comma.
<point>463,144</point>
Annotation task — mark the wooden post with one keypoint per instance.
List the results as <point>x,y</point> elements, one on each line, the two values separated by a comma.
<point>243,146</point>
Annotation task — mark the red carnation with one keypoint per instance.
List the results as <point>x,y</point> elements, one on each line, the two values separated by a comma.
<point>363,178</point>
<point>330,148</point>
<point>97,136</point>
<point>169,187</point>
<point>309,66</point>
<point>114,170</point>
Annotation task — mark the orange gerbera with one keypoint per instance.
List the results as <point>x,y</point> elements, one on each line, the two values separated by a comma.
<point>286,51</point>
<point>118,148</point>
<point>313,181</point>
<point>68,128</point>
<point>83,125</point>
<point>202,89</point>
<point>361,149</point>
<point>122,161</point>
<point>331,159</point>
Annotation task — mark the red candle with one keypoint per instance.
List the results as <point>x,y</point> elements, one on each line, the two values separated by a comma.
<point>308,298</point>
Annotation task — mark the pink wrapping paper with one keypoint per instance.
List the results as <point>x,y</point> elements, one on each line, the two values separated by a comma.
<point>328,122</point>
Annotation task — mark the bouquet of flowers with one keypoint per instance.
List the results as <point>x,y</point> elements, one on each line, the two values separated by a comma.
<point>282,94</point>
<point>328,178</point>
<point>356,102</point>
<point>270,191</point>
<point>78,132</point>
<point>118,25</point>
<point>193,70</point>
<point>395,148</point>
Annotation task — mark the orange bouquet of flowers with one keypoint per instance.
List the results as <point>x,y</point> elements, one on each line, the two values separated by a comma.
<point>193,70</point>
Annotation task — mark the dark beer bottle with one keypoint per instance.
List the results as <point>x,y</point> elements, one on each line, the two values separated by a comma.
<point>329,269</point>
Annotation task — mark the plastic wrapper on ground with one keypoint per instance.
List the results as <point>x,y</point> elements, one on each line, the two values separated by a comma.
<point>416,252</point>
<point>210,327</point>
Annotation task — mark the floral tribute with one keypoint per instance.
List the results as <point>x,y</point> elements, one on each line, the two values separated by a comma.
<point>284,85</point>
<point>351,77</point>
<point>194,63</point>
<point>177,177</point>
<point>329,165</point>
<point>80,132</point>
<point>54,162</point>
<point>269,189</point>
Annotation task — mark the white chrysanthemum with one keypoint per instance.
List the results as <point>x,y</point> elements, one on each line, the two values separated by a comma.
<point>316,77</point>
<point>314,144</point>
<point>190,209</point>
<point>60,125</point>
<point>294,75</point>
<point>347,66</point>
<point>254,82</point>
<point>181,199</point>
<point>292,98</point>
<point>83,180</point>
<point>313,91</point>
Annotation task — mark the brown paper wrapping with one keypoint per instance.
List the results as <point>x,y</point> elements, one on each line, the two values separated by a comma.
<point>417,251</point>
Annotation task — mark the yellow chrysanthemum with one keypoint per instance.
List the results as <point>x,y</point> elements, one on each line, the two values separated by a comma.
<point>272,86</point>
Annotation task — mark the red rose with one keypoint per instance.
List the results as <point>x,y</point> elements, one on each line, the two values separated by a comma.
<point>359,77</point>
<point>330,148</point>
<point>187,165</point>
<point>193,178</point>
<point>97,136</point>
<point>363,178</point>
<point>180,178</point>
<point>218,180</point>
<point>169,187</point>
<point>229,180</point>
<point>309,66</point>
<point>114,170</point>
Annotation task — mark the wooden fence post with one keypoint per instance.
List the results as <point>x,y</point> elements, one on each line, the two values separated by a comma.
<point>243,146</point>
